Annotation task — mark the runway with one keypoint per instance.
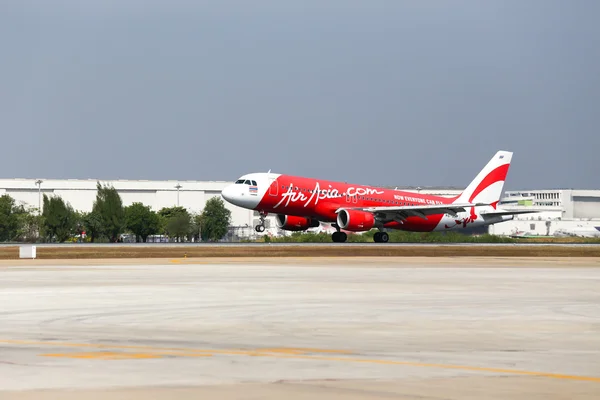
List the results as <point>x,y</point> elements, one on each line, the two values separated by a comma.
<point>389,328</point>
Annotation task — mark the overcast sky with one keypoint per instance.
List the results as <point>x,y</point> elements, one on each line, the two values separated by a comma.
<point>375,92</point>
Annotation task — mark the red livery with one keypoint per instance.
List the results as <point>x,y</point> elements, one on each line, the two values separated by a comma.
<point>302,203</point>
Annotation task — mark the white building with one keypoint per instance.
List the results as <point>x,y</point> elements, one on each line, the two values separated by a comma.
<point>562,212</point>
<point>157,194</point>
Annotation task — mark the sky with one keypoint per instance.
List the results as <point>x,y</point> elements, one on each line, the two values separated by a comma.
<point>408,93</point>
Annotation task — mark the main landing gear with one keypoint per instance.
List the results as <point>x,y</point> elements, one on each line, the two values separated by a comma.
<point>381,237</point>
<point>338,237</point>
<point>261,226</point>
<point>341,237</point>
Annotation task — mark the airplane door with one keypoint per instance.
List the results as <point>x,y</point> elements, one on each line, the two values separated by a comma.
<point>273,187</point>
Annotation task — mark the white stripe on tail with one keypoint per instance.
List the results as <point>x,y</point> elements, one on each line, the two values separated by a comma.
<point>487,186</point>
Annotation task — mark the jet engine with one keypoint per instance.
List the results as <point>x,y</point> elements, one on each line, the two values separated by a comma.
<point>355,220</point>
<point>292,223</point>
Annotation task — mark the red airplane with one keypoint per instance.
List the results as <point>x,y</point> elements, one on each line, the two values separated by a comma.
<point>302,203</point>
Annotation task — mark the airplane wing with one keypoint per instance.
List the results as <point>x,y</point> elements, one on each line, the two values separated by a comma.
<point>505,212</point>
<point>403,212</point>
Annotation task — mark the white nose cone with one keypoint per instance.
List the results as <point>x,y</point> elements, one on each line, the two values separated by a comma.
<point>229,194</point>
<point>241,196</point>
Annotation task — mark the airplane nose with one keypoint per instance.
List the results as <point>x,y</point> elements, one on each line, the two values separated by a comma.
<point>228,193</point>
<point>239,195</point>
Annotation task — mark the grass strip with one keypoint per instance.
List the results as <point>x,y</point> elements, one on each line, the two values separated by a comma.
<point>337,250</point>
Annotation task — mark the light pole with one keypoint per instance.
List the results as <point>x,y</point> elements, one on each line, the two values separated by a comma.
<point>178,187</point>
<point>39,184</point>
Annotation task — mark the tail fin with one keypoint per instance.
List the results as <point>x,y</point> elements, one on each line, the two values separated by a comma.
<point>487,185</point>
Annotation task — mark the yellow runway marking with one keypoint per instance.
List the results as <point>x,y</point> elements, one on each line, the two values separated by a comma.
<point>300,350</point>
<point>104,355</point>
<point>109,355</point>
<point>301,354</point>
<point>450,366</point>
<point>179,350</point>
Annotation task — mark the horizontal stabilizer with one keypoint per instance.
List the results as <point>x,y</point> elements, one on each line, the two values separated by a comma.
<point>503,213</point>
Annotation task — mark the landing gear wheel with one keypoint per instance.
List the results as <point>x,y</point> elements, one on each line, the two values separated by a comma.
<point>261,226</point>
<point>381,237</point>
<point>339,237</point>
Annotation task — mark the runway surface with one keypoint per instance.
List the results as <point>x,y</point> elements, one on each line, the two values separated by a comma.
<point>392,328</point>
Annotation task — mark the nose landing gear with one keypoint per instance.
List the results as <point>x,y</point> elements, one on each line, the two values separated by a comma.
<point>261,226</point>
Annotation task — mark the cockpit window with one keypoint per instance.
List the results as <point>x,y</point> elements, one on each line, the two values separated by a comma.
<point>245,182</point>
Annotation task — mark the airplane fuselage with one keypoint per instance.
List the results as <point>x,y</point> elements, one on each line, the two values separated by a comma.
<point>321,200</point>
<point>301,203</point>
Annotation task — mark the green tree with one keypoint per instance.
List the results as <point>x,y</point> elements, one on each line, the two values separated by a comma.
<point>109,209</point>
<point>29,225</point>
<point>141,221</point>
<point>179,226</point>
<point>79,224</point>
<point>214,220</point>
<point>59,219</point>
<point>194,233</point>
<point>169,212</point>
<point>175,222</point>
<point>92,223</point>
<point>9,221</point>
